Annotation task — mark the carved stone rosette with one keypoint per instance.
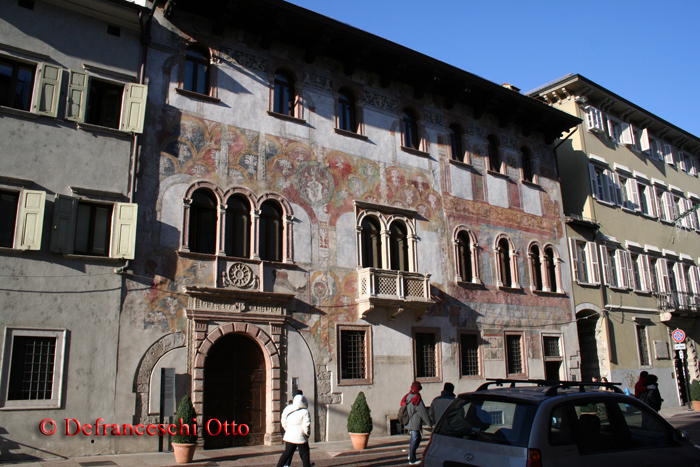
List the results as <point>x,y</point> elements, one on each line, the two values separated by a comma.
<point>238,275</point>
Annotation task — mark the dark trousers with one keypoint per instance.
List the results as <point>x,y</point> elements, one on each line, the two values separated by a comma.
<point>415,442</point>
<point>288,453</point>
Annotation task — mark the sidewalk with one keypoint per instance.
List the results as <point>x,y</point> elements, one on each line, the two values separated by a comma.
<point>668,412</point>
<point>228,457</point>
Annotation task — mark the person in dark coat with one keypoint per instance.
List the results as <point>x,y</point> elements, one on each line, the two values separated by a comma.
<point>418,417</point>
<point>653,397</point>
<point>441,402</point>
<point>641,385</point>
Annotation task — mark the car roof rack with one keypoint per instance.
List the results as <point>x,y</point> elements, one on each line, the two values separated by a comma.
<point>553,385</point>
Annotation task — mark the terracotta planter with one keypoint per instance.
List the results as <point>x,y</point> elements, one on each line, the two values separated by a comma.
<point>696,405</point>
<point>184,453</point>
<point>359,440</point>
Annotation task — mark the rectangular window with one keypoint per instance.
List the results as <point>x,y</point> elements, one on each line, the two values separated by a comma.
<point>611,266</point>
<point>21,219</point>
<point>16,84</point>
<point>637,268</point>
<point>469,354</point>
<point>354,355</point>
<point>514,355</point>
<point>8,215</point>
<point>643,345</point>
<point>594,120</point>
<point>32,368</point>
<point>615,130</point>
<point>426,355</point>
<point>647,199</point>
<point>93,229</point>
<point>553,360</point>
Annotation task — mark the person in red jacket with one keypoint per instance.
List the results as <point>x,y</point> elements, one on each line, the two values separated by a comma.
<point>641,385</point>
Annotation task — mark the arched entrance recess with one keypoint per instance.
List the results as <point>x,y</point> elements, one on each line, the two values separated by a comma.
<point>244,356</point>
<point>592,339</point>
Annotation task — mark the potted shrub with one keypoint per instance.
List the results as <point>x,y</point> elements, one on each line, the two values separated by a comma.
<point>184,443</point>
<point>695,394</point>
<point>360,422</point>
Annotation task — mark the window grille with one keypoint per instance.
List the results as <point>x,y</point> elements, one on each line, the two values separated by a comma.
<point>643,347</point>
<point>32,368</point>
<point>515,363</point>
<point>551,347</point>
<point>352,348</point>
<point>470,354</point>
<point>426,361</point>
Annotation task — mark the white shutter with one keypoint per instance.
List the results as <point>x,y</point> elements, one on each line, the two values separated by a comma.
<point>594,120</point>
<point>620,192</point>
<point>124,230</point>
<point>643,273</point>
<point>30,220</point>
<point>627,134</point>
<point>662,274</point>
<point>681,162</point>
<point>594,181</point>
<point>621,260</point>
<point>65,211</point>
<point>573,252</point>
<point>664,206</point>
<point>633,195</point>
<point>605,260</point>
<point>593,272</point>
<point>134,107</point>
<point>668,153</point>
<point>694,168</point>
<point>680,277</point>
<point>653,202</point>
<point>631,279</point>
<point>650,285</point>
<point>695,279</point>
<point>659,150</point>
<point>76,100</point>
<point>644,141</point>
<point>49,90</point>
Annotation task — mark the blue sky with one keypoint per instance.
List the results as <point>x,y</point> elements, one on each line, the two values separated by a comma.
<point>647,52</point>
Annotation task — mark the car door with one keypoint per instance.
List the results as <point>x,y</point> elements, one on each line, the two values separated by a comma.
<point>559,446</point>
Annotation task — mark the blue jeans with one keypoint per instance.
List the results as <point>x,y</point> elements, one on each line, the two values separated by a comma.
<point>415,441</point>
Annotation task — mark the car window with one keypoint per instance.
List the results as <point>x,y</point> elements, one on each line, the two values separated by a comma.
<point>488,420</point>
<point>597,430</point>
<point>646,430</point>
<point>560,431</point>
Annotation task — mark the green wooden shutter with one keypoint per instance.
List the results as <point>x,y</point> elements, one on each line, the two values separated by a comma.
<point>76,100</point>
<point>124,230</point>
<point>134,107</point>
<point>49,90</point>
<point>30,220</point>
<point>65,212</point>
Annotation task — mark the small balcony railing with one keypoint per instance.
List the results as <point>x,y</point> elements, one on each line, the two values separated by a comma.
<point>396,290</point>
<point>679,301</point>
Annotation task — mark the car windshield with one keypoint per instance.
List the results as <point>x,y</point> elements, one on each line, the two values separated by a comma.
<point>490,420</point>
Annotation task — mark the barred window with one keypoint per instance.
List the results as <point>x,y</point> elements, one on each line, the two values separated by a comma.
<point>514,353</point>
<point>469,352</point>
<point>32,367</point>
<point>354,355</point>
<point>643,345</point>
<point>551,347</point>
<point>426,355</point>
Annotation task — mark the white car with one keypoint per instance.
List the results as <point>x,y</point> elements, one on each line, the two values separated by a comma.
<point>534,423</point>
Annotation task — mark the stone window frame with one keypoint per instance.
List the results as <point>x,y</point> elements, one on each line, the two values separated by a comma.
<point>437,378</point>
<point>545,273</point>
<point>512,262</point>
<point>295,75</point>
<point>474,256</point>
<point>529,155</point>
<point>56,401</point>
<point>523,353</point>
<point>213,78</point>
<point>256,203</point>
<point>339,86</point>
<point>480,354</point>
<point>385,221</point>
<point>369,355</point>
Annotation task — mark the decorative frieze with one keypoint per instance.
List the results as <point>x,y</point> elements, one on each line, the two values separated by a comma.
<point>244,59</point>
<point>381,102</point>
<point>318,81</point>
<point>435,119</point>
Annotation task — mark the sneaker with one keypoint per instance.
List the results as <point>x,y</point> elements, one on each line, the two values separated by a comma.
<point>415,462</point>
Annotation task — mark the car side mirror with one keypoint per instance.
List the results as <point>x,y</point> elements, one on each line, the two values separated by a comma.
<point>680,435</point>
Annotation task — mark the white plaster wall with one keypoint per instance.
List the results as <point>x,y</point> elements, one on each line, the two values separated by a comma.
<point>531,200</point>
<point>461,179</point>
<point>345,235</point>
<point>301,365</point>
<point>171,216</point>
<point>302,235</point>
<point>429,262</point>
<point>497,189</point>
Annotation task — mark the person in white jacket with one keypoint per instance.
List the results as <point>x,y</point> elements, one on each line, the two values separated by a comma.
<point>297,425</point>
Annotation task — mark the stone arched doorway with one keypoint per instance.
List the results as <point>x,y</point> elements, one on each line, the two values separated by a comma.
<point>591,340</point>
<point>234,390</point>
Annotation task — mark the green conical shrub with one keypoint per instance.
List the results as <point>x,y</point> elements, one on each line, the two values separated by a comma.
<point>360,418</point>
<point>695,390</point>
<point>185,411</point>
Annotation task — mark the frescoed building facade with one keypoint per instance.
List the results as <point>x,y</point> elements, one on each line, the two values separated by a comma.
<point>632,184</point>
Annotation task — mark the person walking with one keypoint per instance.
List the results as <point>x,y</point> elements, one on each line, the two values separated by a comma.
<point>297,428</point>
<point>286,412</point>
<point>641,385</point>
<point>418,416</point>
<point>441,402</point>
<point>652,397</point>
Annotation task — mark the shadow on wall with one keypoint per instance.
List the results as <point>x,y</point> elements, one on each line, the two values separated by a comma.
<point>7,446</point>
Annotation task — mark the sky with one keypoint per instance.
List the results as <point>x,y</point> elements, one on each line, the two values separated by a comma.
<point>647,52</point>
